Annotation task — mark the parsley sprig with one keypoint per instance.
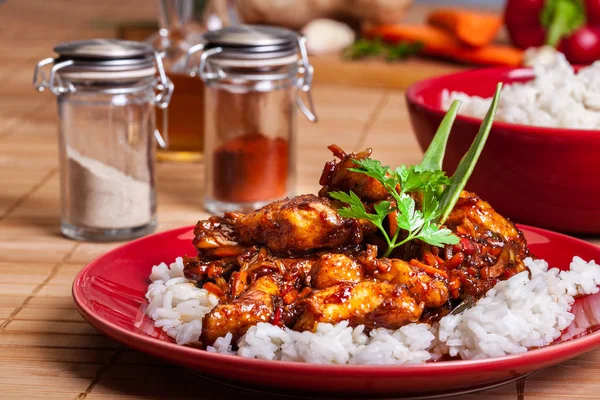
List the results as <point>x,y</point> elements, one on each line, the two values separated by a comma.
<point>437,192</point>
<point>363,48</point>
<point>418,224</point>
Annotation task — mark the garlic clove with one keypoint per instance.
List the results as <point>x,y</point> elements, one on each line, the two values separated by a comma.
<point>326,36</point>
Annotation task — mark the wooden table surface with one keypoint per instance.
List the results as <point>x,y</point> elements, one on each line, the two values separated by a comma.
<point>47,350</point>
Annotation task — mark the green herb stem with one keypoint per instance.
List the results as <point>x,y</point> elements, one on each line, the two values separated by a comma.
<point>434,156</point>
<point>467,164</point>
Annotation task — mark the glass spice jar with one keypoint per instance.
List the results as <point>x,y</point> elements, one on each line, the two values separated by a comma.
<point>254,76</point>
<point>107,91</point>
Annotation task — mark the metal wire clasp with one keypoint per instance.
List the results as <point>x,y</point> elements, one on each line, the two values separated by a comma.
<point>305,83</point>
<point>163,91</point>
<point>54,83</point>
<point>202,70</point>
<point>164,87</point>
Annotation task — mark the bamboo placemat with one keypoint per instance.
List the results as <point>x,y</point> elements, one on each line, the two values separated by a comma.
<point>47,351</point>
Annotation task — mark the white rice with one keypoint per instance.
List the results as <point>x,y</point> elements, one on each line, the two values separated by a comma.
<point>176,304</point>
<point>557,97</point>
<point>513,316</point>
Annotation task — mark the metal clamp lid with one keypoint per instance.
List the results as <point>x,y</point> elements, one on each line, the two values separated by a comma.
<point>255,46</point>
<point>105,60</point>
<point>108,60</point>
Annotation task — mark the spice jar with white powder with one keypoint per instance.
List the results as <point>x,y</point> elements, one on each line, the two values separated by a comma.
<point>107,92</point>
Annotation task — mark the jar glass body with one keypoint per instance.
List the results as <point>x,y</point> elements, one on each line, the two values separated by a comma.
<point>250,134</point>
<point>107,161</point>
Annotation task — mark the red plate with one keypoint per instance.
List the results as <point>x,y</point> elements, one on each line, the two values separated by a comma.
<point>109,293</point>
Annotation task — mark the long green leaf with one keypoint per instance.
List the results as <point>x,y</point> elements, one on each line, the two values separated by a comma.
<point>463,172</point>
<point>432,160</point>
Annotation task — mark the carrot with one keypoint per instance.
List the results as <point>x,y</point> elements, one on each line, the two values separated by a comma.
<point>214,289</point>
<point>472,28</point>
<point>437,42</point>
<point>454,262</point>
<point>430,259</point>
<point>454,285</point>
<point>393,221</point>
<point>429,270</point>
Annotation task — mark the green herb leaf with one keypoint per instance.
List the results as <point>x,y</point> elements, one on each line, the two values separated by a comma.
<point>434,156</point>
<point>356,208</point>
<point>370,167</point>
<point>430,205</point>
<point>409,218</point>
<point>375,170</point>
<point>364,48</point>
<point>417,179</point>
<point>417,224</point>
<point>436,236</point>
<point>465,168</point>
<point>403,50</point>
<point>371,48</point>
<point>383,208</point>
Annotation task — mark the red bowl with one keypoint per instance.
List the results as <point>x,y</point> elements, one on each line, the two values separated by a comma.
<point>545,177</point>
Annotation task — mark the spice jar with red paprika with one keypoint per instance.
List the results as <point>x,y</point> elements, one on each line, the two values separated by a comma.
<point>255,77</point>
<point>571,26</point>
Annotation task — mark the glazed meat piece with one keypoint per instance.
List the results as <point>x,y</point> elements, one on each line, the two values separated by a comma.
<point>431,291</point>
<point>217,237</point>
<point>491,247</point>
<point>370,303</point>
<point>483,218</point>
<point>331,269</point>
<point>202,270</point>
<point>301,224</point>
<point>475,219</point>
<point>337,177</point>
<point>253,306</point>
